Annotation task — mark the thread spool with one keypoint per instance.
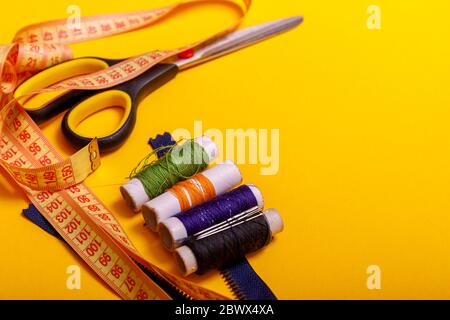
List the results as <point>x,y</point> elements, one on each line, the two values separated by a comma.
<point>134,191</point>
<point>222,177</point>
<point>175,230</point>
<point>218,254</point>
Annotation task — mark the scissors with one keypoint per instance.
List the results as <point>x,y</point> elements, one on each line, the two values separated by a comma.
<point>84,103</point>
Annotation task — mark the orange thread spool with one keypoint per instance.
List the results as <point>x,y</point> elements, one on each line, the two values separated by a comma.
<point>194,191</point>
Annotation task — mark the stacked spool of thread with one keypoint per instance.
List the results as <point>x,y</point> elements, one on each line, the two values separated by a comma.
<point>180,163</point>
<point>205,225</point>
<point>218,232</point>
<point>229,242</point>
<point>184,195</point>
<point>175,230</point>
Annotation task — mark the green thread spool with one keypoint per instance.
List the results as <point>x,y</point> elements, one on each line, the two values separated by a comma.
<point>150,180</point>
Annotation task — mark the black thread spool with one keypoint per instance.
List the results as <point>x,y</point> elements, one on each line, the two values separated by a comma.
<point>223,248</point>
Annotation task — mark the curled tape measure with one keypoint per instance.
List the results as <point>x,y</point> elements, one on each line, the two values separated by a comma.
<point>49,175</point>
<point>55,185</point>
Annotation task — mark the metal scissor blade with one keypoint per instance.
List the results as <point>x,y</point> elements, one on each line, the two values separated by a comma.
<point>240,39</point>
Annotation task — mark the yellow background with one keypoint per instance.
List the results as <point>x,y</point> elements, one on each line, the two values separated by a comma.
<point>364,128</point>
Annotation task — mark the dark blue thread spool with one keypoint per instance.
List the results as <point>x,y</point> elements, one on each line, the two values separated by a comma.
<point>176,229</point>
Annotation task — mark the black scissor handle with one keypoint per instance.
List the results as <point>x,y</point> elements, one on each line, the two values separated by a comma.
<point>127,96</point>
<point>64,100</point>
<point>58,105</point>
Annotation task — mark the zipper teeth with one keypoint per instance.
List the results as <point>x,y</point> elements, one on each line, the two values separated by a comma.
<point>179,291</point>
<point>153,275</point>
<point>235,289</point>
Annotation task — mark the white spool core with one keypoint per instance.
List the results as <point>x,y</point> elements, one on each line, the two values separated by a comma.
<point>172,231</point>
<point>187,262</point>
<point>134,192</point>
<point>159,209</point>
<point>209,146</point>
<point>274,220</point>
<point>223,177</point>
<point>258,195</point>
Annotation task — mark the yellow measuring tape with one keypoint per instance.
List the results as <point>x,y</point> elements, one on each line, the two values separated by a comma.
<point>55,185</point>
